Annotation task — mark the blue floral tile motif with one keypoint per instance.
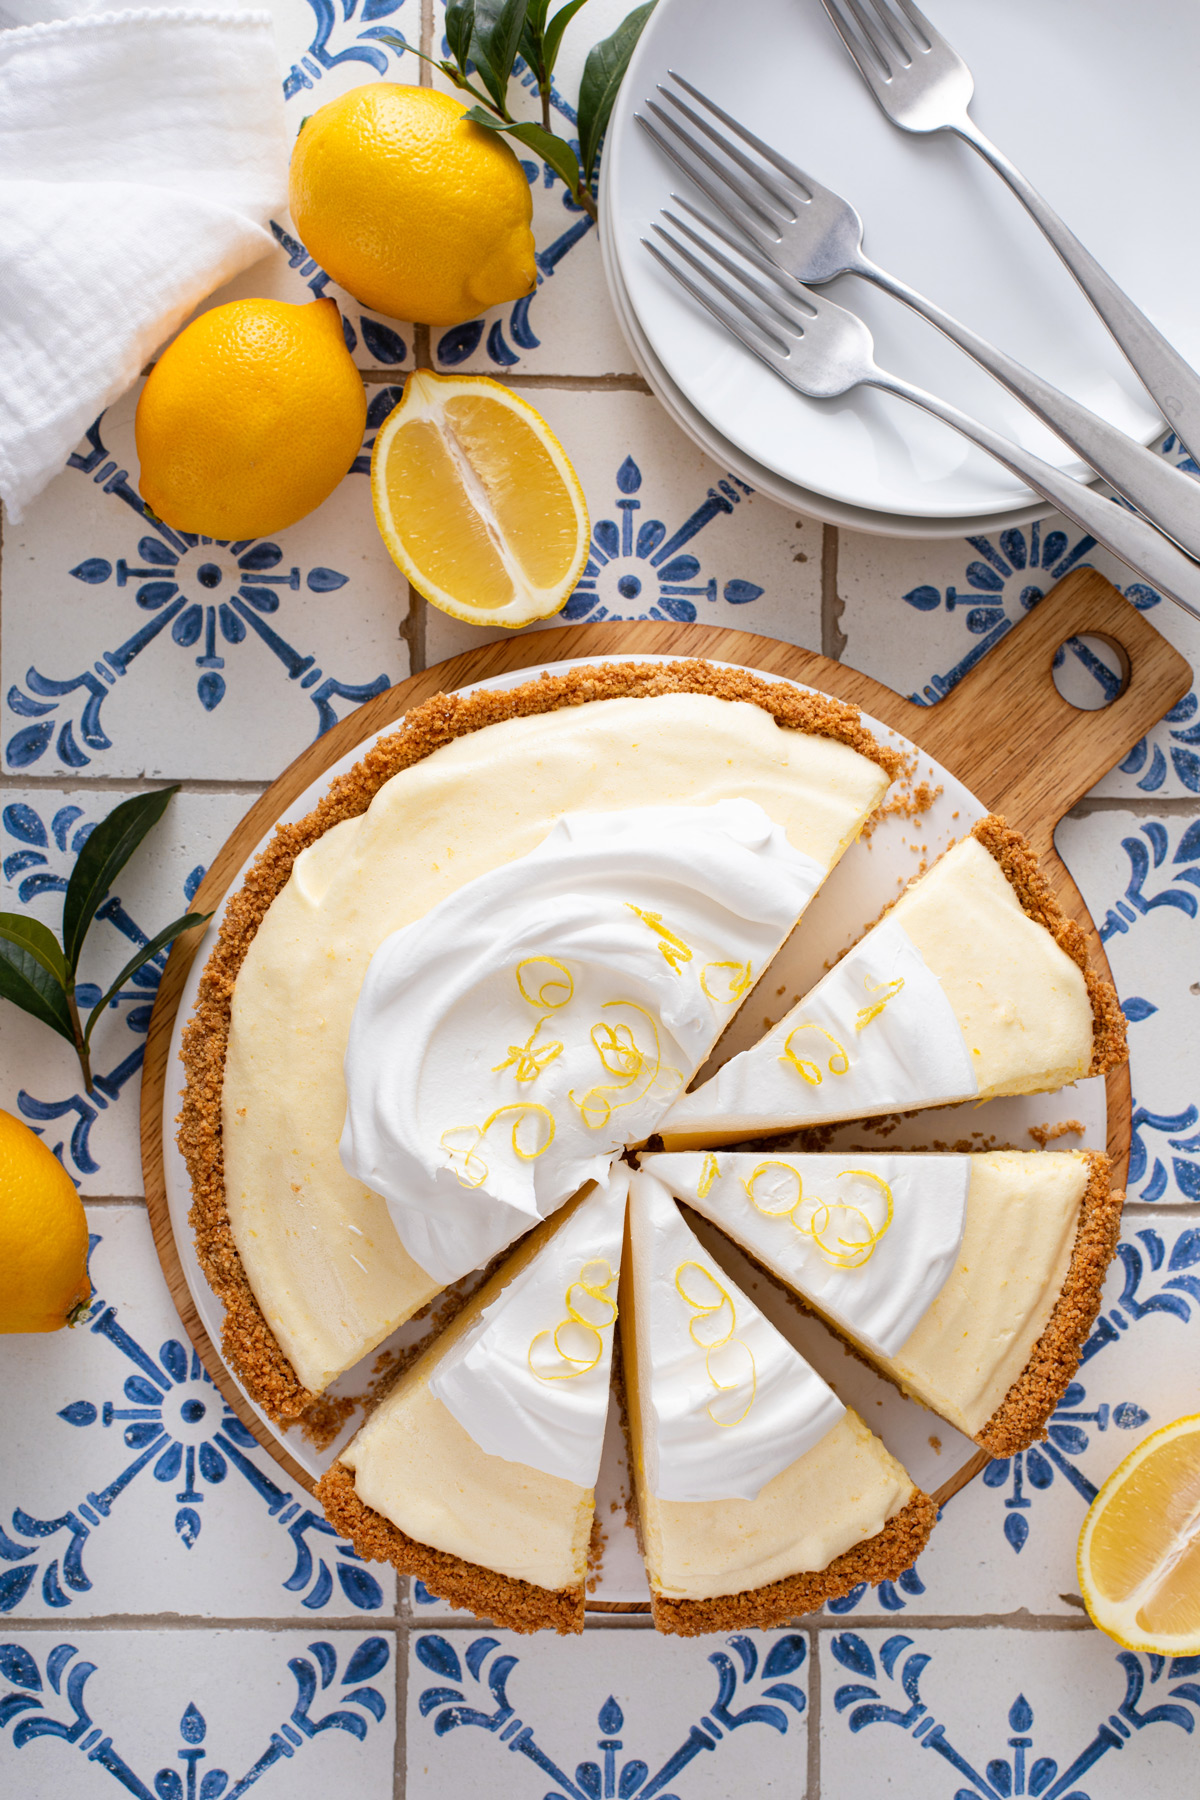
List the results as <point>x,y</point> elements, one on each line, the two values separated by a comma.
<point>29,844</point>
<point>178,1427</point>
<point>366,45</point>
<point>1154,1283</point>
<point>210,594</point>
<point>1144,858</point>
<point>1067,1437</point>
<point>47,1699</point>
<point>1003,581</point>
<point>471,1690</point>
<point>643,571</point>
<point>887,1691</point>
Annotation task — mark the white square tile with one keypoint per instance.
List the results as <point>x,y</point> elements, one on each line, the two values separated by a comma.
<point>128,1487</point>
<point>96,1135</point>
<point>1004,1712</point>
<point>674,536</point>
<point>920,613</point>
<point>614,1711</point>
<point>130,649</point>
<point>197,1714</point>
<point>1141,880</point>
<point>1007,1543</point>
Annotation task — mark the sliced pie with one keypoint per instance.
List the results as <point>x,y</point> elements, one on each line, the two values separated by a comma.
<point>305,1255</point>
<point>758,1494</point>
<point>477,1471</point>
<point>970,1281</point>
<point>973,984</point>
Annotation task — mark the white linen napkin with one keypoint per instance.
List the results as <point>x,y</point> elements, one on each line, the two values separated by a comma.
<point>141,156</point>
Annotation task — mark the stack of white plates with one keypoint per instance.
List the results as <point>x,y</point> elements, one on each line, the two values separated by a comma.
<point>1095,103</point>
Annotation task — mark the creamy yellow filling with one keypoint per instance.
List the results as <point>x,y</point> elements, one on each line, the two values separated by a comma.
<point>1021,1002</point>
<point>318,1247</point>
<point>837,1494</point>
<point>979,1333</point>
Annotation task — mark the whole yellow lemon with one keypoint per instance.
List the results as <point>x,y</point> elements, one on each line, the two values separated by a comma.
<point>43,1235</point>
<point>416,213</point>
<point>250,419</point>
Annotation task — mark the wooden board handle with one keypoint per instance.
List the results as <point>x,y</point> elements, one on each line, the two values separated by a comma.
<point>1007,732</point>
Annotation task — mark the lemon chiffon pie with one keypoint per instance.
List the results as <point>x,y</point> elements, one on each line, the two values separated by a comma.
<point>397,1064</point>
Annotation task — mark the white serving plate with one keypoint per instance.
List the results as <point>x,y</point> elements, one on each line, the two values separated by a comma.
<point>1094,103</point>
<point>868,876</point>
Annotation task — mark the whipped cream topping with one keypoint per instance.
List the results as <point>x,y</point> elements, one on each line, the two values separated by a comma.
<point>726,1403</point>
<point>870,1240</point>
<point>876,1035</point>
<point>505,1045</point>
<point>529,1381</point>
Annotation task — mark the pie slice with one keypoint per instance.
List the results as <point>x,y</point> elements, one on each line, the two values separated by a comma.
<point>477,1471</point>
<point>302,1250</point>
<point>970,1281</point>
<point>974,984</point>
<point>758,1494</point>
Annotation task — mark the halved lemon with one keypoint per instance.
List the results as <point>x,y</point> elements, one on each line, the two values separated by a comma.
<point>477,502</point>
<point>1139,1551</point>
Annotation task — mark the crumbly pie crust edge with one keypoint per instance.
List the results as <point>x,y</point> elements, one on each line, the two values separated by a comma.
<point>246,1338</point>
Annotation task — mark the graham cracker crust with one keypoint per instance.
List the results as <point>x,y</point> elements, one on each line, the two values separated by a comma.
<point>247,1340</point>
<point>1015,855</point>
<point>1021,1417</point>
<point>516,1605</point>
<point>876,1559</point>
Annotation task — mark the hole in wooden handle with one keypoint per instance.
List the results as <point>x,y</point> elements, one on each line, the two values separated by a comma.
<point>1091,670</point>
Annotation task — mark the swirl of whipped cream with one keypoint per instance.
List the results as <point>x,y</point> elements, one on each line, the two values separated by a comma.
<point>714,1427</point>
<point>506,1383</point>
<point>506,1045</point>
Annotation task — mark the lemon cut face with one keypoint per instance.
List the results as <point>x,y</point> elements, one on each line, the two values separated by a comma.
<point>1139,1552</point>
<point>477,502</point>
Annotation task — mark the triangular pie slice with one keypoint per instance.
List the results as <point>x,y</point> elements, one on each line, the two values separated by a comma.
<point>758,1494</point>
<point>973,984</point>
<point>477,1471</point>
<point>970,1281</point>
<point>308,1263</point>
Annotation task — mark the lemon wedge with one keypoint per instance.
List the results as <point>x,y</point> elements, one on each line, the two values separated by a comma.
<point>1139,1551</point>
<point>477,502</point>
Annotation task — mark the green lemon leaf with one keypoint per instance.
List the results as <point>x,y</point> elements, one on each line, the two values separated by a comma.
<point>169,932</point>
<point>460,22</point>
<point>494,42</point>
<point>603,73</point>
<point>554,150</point>
<point>104,855</point>
<point>25,980</point>
<point>38,940</point>
<point>555,29</point>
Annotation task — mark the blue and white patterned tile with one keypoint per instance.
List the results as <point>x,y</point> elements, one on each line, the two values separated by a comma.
<point>1004,1712</point>
<point>614,1712</point>
<point>96,1135</point>
<point>1007,1542</point>
<point>131,649</point>
<point>128,1485</point>
<point>919,614</point>
<point>1141,880</point>
<point>200,1714</point>
<point>674,536</point>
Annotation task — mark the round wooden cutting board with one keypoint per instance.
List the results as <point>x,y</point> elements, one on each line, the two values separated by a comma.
<point>1005,732</point>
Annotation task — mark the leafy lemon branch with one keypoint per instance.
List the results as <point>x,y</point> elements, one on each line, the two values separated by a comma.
<point>486,37</point>
<point>38,973</point>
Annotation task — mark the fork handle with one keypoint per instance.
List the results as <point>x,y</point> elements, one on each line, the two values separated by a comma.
<point>1173,383</point>
<point>1137,543</point>
<point>1164,493</point>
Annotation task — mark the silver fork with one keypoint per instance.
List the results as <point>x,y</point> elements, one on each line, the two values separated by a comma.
<point>822,351</point>
<point>813,234</point>
<point>923,85</point>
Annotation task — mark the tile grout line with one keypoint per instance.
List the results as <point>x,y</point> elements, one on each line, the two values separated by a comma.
<point>812,1785</point>
<point>400,1702</point>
